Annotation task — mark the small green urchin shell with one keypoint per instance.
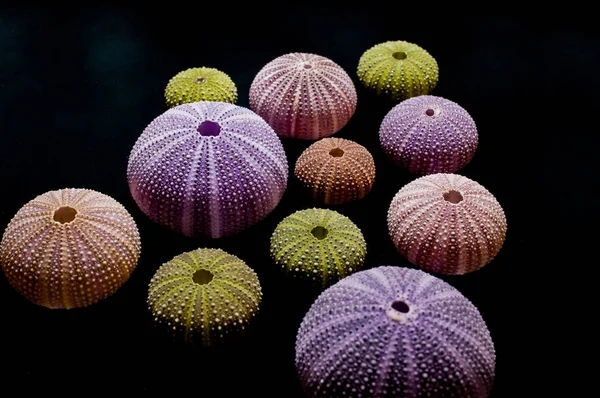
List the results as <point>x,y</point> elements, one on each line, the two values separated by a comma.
<point>398,69</point>
<point>318,244</point>
<point>200,84</point>
<point>203,295</point>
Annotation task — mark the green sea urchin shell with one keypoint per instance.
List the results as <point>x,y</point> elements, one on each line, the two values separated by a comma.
<point>318,244</point>
<point>203,295</point>
<point>200,84</point>
<point>398,69</point>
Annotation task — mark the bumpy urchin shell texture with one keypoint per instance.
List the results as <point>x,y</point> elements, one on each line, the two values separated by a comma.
<point>446,223</point>
<point>200,84</point>
<point>318,244</point>
<point>303,96</point>
<point>428,135</point>
<point>336,170</point>
<point>394,332</point>
<point>204,295</point>
<point>207,169</point>
<point>398,69</point>
<point>70,248</point>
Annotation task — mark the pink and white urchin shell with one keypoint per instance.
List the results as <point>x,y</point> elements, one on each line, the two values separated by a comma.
<point>446,223</point>
<point>394,332</point>
<point>428,134</point>
<point>303,96</point>
<point>207,169</point>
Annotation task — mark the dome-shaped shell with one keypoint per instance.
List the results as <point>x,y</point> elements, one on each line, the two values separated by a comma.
<point>200,84</point>
<point>303,96</point>
<point>318,244</point>
<point>394,332</point>
<point>446,223</point>
<point>398,70</point>
<point>428,135</point>
<point>207,169</point>
<point>336,170</point>
<point>69,248</point>
<point>204,295</point>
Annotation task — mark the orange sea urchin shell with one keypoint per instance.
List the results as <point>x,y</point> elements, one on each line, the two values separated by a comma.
<point>69,248</point>
<point>336,170</point>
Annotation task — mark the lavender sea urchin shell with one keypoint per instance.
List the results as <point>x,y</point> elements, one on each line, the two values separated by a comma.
<point>200,84</point>
<point>304,96</point>
<point>398,69</point>
<point>336,170</point>
<point>394,332</point>
<point>318,244</point>
<point>207,168</point>
<point>69,248</point>
<point>446,223</point>
<point>428,135</point>
<point>204,295</point>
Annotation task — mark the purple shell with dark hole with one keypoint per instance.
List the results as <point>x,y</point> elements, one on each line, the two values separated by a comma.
<point>207,169</point>
<point>428,134</point>
<point>394,332</point>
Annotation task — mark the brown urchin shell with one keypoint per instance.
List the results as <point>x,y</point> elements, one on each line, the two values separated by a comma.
<point>69,248</point>
<point>446,223</point>
<point>336,170</point>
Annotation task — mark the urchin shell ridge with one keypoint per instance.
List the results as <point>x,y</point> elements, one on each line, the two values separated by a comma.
<point>446,223</point>
<point>70,248</point>
<point>200,84</point>
<point>303,96</point>
<point>394,332</point>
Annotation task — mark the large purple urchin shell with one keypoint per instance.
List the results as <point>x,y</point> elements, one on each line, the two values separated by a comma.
<point>303,96</point>
<point>446,223</point>
<point>207,168</point>
<point>428,135</point>
<point>394,332</point>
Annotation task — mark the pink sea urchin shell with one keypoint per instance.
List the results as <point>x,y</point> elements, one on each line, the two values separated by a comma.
<point>446,223</point>
<point>207,169</point>
<point>303,96</point>
<point>428,134</point>
<point>394,332</point>
<point>69,248</point>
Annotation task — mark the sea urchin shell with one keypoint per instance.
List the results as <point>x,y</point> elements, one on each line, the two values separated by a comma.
<point>336,170</point>
<point>200,84</point>
<point>70,248</point>
<point>446,223</point>
<point>428,135</point>
<point>394,332</point>
<point>204,295</point>
<point>207,168</point>
<point>318,244</point>
<point>303,96</point>
<point>398,69</point>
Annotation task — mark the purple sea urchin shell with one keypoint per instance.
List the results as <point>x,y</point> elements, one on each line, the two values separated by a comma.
<point>394,332</point>
<point>304,96</point>
<point>207,168</point>
<point>446,223</point>
<point>70,248</point>
<point>428,135</point>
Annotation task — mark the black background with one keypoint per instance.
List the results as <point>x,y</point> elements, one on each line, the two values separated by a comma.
<point>78,88</point>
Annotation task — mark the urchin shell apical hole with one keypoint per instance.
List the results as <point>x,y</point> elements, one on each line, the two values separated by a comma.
<point>429,134</point>
<point>446,223</point>
<point>70,248</point>
<point>319,245</point>
<point>336,170</point>
<point>398,70</point>
<point>394,332</point>
<point>303,96</point>
<point>207,169</point>
<point>200,84</point>
<point>204,296</point>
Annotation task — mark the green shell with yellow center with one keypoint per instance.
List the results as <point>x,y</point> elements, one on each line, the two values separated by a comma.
<point>318,244</point>
<point>200,84</point>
